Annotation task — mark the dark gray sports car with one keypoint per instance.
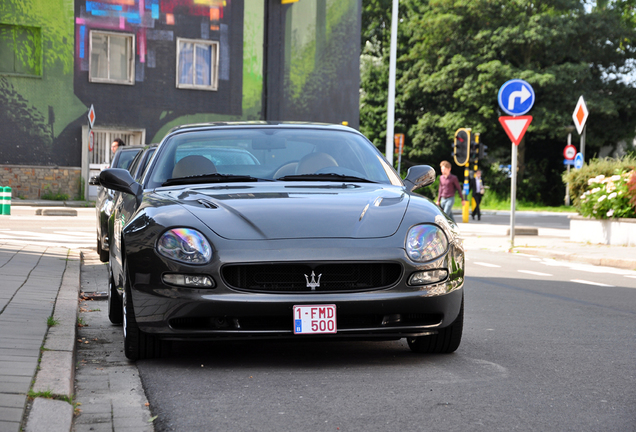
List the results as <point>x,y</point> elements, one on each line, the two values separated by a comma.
<point>280,230</point>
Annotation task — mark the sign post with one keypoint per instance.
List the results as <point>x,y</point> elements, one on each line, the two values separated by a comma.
<point>516,98</point>
<point>399,146</point>
<point>569,152</point>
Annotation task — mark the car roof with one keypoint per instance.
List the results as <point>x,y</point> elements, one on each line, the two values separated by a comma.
<point>260,125</point>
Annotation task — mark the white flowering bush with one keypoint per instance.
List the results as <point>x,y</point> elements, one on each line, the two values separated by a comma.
<point>608,197</point>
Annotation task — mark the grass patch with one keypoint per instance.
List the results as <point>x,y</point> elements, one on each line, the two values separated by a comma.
<point>47,194</point>
<point>493,202</point>
<point>50,321</point>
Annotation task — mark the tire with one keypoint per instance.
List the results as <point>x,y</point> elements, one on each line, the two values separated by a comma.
<point>115,307</point>
<point>137,344</point>
<point>103,255</point>
<point>444,342</point>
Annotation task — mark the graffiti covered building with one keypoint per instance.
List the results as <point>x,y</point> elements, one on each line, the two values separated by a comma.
<point>148,65</point>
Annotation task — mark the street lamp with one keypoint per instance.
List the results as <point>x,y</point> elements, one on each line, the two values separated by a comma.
<point>390,118</point>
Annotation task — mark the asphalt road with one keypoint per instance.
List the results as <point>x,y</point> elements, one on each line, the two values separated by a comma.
<point>547,346</point>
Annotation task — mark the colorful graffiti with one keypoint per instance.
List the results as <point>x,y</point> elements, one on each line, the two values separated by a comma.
<point>141,18</point>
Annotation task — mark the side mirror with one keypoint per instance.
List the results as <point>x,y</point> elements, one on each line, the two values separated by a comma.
<point>120,180</point>
<point>94,181</point>
<point>419,176</point>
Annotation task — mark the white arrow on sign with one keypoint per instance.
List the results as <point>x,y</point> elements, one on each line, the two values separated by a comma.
<point>522,94</point>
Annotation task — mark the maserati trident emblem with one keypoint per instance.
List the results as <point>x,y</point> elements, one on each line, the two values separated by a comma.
<point>313,284</point>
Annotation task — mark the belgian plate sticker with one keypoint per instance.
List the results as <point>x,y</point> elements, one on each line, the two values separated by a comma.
<point>315,319</point>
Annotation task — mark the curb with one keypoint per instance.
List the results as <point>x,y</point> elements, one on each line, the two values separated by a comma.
<point>56,212</point>
<point>57,371</point>
<point>49,203</point>
<point>627,264</point>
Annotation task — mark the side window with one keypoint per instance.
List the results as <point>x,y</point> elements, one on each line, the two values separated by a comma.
<point>112,58</point>
<point>20,50</point>
<point>197,64</point>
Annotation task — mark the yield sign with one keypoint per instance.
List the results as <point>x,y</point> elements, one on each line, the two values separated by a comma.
<point>515,127</point>
<point>580,115</point>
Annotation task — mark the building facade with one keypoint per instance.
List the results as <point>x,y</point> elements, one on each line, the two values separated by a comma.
<point>148,65</point>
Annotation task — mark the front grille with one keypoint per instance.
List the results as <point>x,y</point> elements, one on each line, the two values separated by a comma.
<point>283,278</point>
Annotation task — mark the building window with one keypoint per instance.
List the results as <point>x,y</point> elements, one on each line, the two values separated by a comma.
<point>20,50</point>
<point>197,64</point>
<point>112,58</point>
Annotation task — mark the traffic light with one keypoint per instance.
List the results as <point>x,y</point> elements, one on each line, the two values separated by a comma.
<point>461,147</point>
<point>474,148</point>
<point>482,151</point>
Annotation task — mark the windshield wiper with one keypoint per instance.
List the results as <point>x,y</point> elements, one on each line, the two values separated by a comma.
<point>211,178</point>
<point>324,177</point>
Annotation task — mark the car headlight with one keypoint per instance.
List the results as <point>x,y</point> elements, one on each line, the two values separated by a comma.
<point>185,245</point>
<point>426,242</point>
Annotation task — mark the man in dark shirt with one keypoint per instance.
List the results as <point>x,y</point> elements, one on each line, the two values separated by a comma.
<point>448,185</point>
<point>477,186</point>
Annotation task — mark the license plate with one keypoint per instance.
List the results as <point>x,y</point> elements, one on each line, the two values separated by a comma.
<point>315,319</point>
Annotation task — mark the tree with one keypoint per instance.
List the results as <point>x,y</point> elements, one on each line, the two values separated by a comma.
<point>453,56</point>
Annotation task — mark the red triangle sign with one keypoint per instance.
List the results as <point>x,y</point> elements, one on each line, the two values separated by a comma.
<point>515,127</point>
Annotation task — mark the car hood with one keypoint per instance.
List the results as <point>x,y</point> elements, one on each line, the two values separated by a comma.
<point>293,210</point>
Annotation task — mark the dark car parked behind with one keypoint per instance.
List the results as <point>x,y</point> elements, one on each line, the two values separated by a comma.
<point>123,158</point>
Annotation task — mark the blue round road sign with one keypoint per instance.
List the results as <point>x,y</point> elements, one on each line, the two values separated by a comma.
<point>516,97</point>
<point>578,161</point>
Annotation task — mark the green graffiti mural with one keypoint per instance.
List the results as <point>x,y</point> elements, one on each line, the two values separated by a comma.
<point>37,97</point>
<point>318,52</point>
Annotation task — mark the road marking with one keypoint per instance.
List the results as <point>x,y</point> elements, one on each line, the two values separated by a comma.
<point>534,273</point>
<point>633,277</point>
<point>68,239</point>
<point>590,268</point>
<point>486,264</point>
<point>590,283</point>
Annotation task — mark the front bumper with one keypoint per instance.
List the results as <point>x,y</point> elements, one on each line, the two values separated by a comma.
<point>222,312</point>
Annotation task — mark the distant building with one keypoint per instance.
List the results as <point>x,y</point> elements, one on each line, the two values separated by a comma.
<point>148,65</point>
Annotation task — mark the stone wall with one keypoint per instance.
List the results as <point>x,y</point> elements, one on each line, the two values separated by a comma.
<point>41,182</point>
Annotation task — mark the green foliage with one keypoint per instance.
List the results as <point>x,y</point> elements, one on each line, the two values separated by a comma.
<point>578,179</point>
<point>453,55</point>
<point>50,321</point>
<point>47,194</point>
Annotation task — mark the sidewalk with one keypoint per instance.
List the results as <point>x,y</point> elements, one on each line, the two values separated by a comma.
<point>38,282</point>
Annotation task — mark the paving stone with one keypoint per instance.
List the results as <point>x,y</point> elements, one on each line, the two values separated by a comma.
<point>50,415</point>
<point>9,426</point>
<point>56,373</point>
<point>101,427</point>
<point>12,401</point>
<point>10,414</point>
<point>15,384</point>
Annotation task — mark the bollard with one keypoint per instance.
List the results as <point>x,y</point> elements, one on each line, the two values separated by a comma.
<point>5,198</point>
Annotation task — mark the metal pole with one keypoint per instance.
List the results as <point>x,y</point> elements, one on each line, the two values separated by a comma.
<point>390,118</point>
<point>567,185</point>
<point>513,196</point>
<point>583,142</point>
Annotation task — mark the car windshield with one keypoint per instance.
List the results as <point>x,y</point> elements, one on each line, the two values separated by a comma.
<point>272,154</point>
<point>125,158</point>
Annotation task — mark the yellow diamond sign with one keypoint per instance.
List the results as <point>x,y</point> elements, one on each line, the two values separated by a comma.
<point>579,116</point>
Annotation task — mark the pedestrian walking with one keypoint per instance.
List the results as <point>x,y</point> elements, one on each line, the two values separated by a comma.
<point>477,186</point>
<point>448,186</point>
